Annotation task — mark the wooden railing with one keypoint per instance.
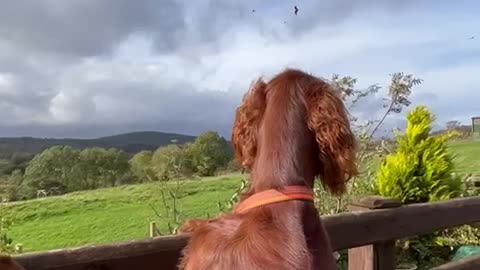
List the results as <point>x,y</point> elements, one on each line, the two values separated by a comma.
<point>369,232</point>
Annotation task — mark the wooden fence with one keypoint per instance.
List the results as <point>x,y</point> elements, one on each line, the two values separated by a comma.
<point>369,232</point>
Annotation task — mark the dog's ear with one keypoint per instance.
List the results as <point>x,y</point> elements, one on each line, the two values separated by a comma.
<point>327,118</point>
<point>247,120</point>
<point>7,263</point>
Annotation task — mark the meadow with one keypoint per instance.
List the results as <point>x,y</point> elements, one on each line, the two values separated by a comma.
<point>124,212</point>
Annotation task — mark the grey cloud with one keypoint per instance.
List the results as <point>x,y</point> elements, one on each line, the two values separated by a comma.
<point>332,12</point>
<point>44,44</point>
<point>87,27</point>
<point>90,28</point>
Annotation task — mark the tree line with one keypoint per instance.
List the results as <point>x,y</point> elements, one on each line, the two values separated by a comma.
<point>63,169</point>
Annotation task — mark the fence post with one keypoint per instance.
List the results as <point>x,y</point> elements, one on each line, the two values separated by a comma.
<point>378,256</point>
<point>153,229</point>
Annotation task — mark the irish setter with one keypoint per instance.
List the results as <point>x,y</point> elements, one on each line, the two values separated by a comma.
<point>287,132</point>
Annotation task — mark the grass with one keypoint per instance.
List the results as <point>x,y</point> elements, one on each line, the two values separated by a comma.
<point>123,213</point>
<point>106,215</point>
<point>467,156</point>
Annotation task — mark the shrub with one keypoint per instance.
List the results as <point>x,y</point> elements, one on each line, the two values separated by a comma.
<point>421,169</point>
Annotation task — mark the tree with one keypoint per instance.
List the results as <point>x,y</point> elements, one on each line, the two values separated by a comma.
<point>141,166</point>
<point>399,93</point>
<point>208,153</point>
<point>115,165</point>
<point>171,161</point>
<point>53,168</point>
<point>89,162</point>
<point>101,168</point>
<point>453,124</point>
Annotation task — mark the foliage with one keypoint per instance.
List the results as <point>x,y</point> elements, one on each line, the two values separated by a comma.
<point>421,168</point>
<point>141,166</point>
<point>398,95</point>
<point>169,162</point>
<point>98,167</point>
<point>53,168</point>
<point>18,161</point>
<point>235,198</point>
<point>208,153</point>
<point>369,150</point>
<point>131,143</point>
<point>7,245</point>
<point>62,169</point>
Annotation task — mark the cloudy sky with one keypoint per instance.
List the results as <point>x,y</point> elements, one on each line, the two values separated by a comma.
<point>87,68</point>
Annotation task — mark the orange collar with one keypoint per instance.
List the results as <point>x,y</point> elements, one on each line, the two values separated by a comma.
<point>287,193</point>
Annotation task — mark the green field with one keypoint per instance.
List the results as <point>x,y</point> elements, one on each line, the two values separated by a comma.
<point>107,215</point>
<point>123,213</point>
<point>467,156</point>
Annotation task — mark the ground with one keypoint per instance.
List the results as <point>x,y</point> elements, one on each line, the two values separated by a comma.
<point>124,213</point>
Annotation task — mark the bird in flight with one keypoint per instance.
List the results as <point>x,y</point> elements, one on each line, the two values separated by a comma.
<point>295,8</point>
<point>472,37</point>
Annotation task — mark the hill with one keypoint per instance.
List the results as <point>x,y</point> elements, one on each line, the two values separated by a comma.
<point>129,142</point>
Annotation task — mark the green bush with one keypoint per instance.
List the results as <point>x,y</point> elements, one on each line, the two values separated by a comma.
<point>421,169</point>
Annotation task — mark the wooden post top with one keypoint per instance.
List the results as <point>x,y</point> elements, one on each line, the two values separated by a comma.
<point>377,202</point>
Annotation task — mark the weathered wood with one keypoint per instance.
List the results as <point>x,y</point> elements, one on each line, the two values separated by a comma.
<point>384,255</point>
<point>377,202</point>
<point>153,253</point>
<point>346,230</point>
<point>469,263</point>
<point>378,256</point>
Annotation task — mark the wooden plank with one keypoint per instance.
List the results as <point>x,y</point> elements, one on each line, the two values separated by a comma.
<point>384,255</point>
<point>346,230</point>
<point>142,254</point>
<point>377,202</point>
<point>378,256</point>
<point>469,263</point>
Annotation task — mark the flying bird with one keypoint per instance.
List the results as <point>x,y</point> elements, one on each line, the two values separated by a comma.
<point>295,8</point>
<point>253,10</point>
<point>472,37</point>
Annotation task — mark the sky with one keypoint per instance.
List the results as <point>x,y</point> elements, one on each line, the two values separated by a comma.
<point>90,68</point>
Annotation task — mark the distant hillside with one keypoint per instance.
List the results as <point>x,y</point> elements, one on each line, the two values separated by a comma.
<point>129,142</point>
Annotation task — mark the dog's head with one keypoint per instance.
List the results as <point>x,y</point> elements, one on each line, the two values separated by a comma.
<point>317,109</point>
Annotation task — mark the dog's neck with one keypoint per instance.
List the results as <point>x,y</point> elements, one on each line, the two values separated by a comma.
<point>286,149</point>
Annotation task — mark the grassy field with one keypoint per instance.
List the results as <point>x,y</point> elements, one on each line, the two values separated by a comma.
<point>467,156</point>
<point>123,213</point>
<point>107,215</point>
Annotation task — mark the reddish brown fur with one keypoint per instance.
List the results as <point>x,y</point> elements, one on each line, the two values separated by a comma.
<point>7,263</point>
<point>287,132</point>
